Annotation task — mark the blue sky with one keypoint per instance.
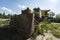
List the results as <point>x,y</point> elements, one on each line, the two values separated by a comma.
<point>15,6</point>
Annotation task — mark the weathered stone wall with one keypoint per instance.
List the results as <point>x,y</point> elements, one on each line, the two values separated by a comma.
<point>21,27</point>
<point>23,24</point>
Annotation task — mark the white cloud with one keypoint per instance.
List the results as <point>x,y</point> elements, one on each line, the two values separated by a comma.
<point>53,1</point>
<point>6,9</point>
<point>21,6</point>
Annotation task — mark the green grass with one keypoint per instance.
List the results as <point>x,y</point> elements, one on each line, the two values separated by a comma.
<point>53,27</point>
<point>56,33</point>
<point>3,23</point>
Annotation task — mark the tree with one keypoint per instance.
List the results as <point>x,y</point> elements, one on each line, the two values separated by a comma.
<point>3,13</point>
<point>9,15</point>
<point>58,16</point>
<point>51,14</point>
<point>0,14</point>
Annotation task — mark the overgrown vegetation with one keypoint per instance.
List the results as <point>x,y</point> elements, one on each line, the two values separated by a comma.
<point>4,24</point>
<point>55,29</point>
<point>4,16</point>
<point>52,27</point>
<point>43,27</point>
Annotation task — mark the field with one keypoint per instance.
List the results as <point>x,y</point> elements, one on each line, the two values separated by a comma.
<point>53,28</point>
<point>4,22</point>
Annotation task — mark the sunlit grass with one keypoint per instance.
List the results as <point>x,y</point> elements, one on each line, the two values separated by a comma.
<point>53,27</point>
<point>4,23</point>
